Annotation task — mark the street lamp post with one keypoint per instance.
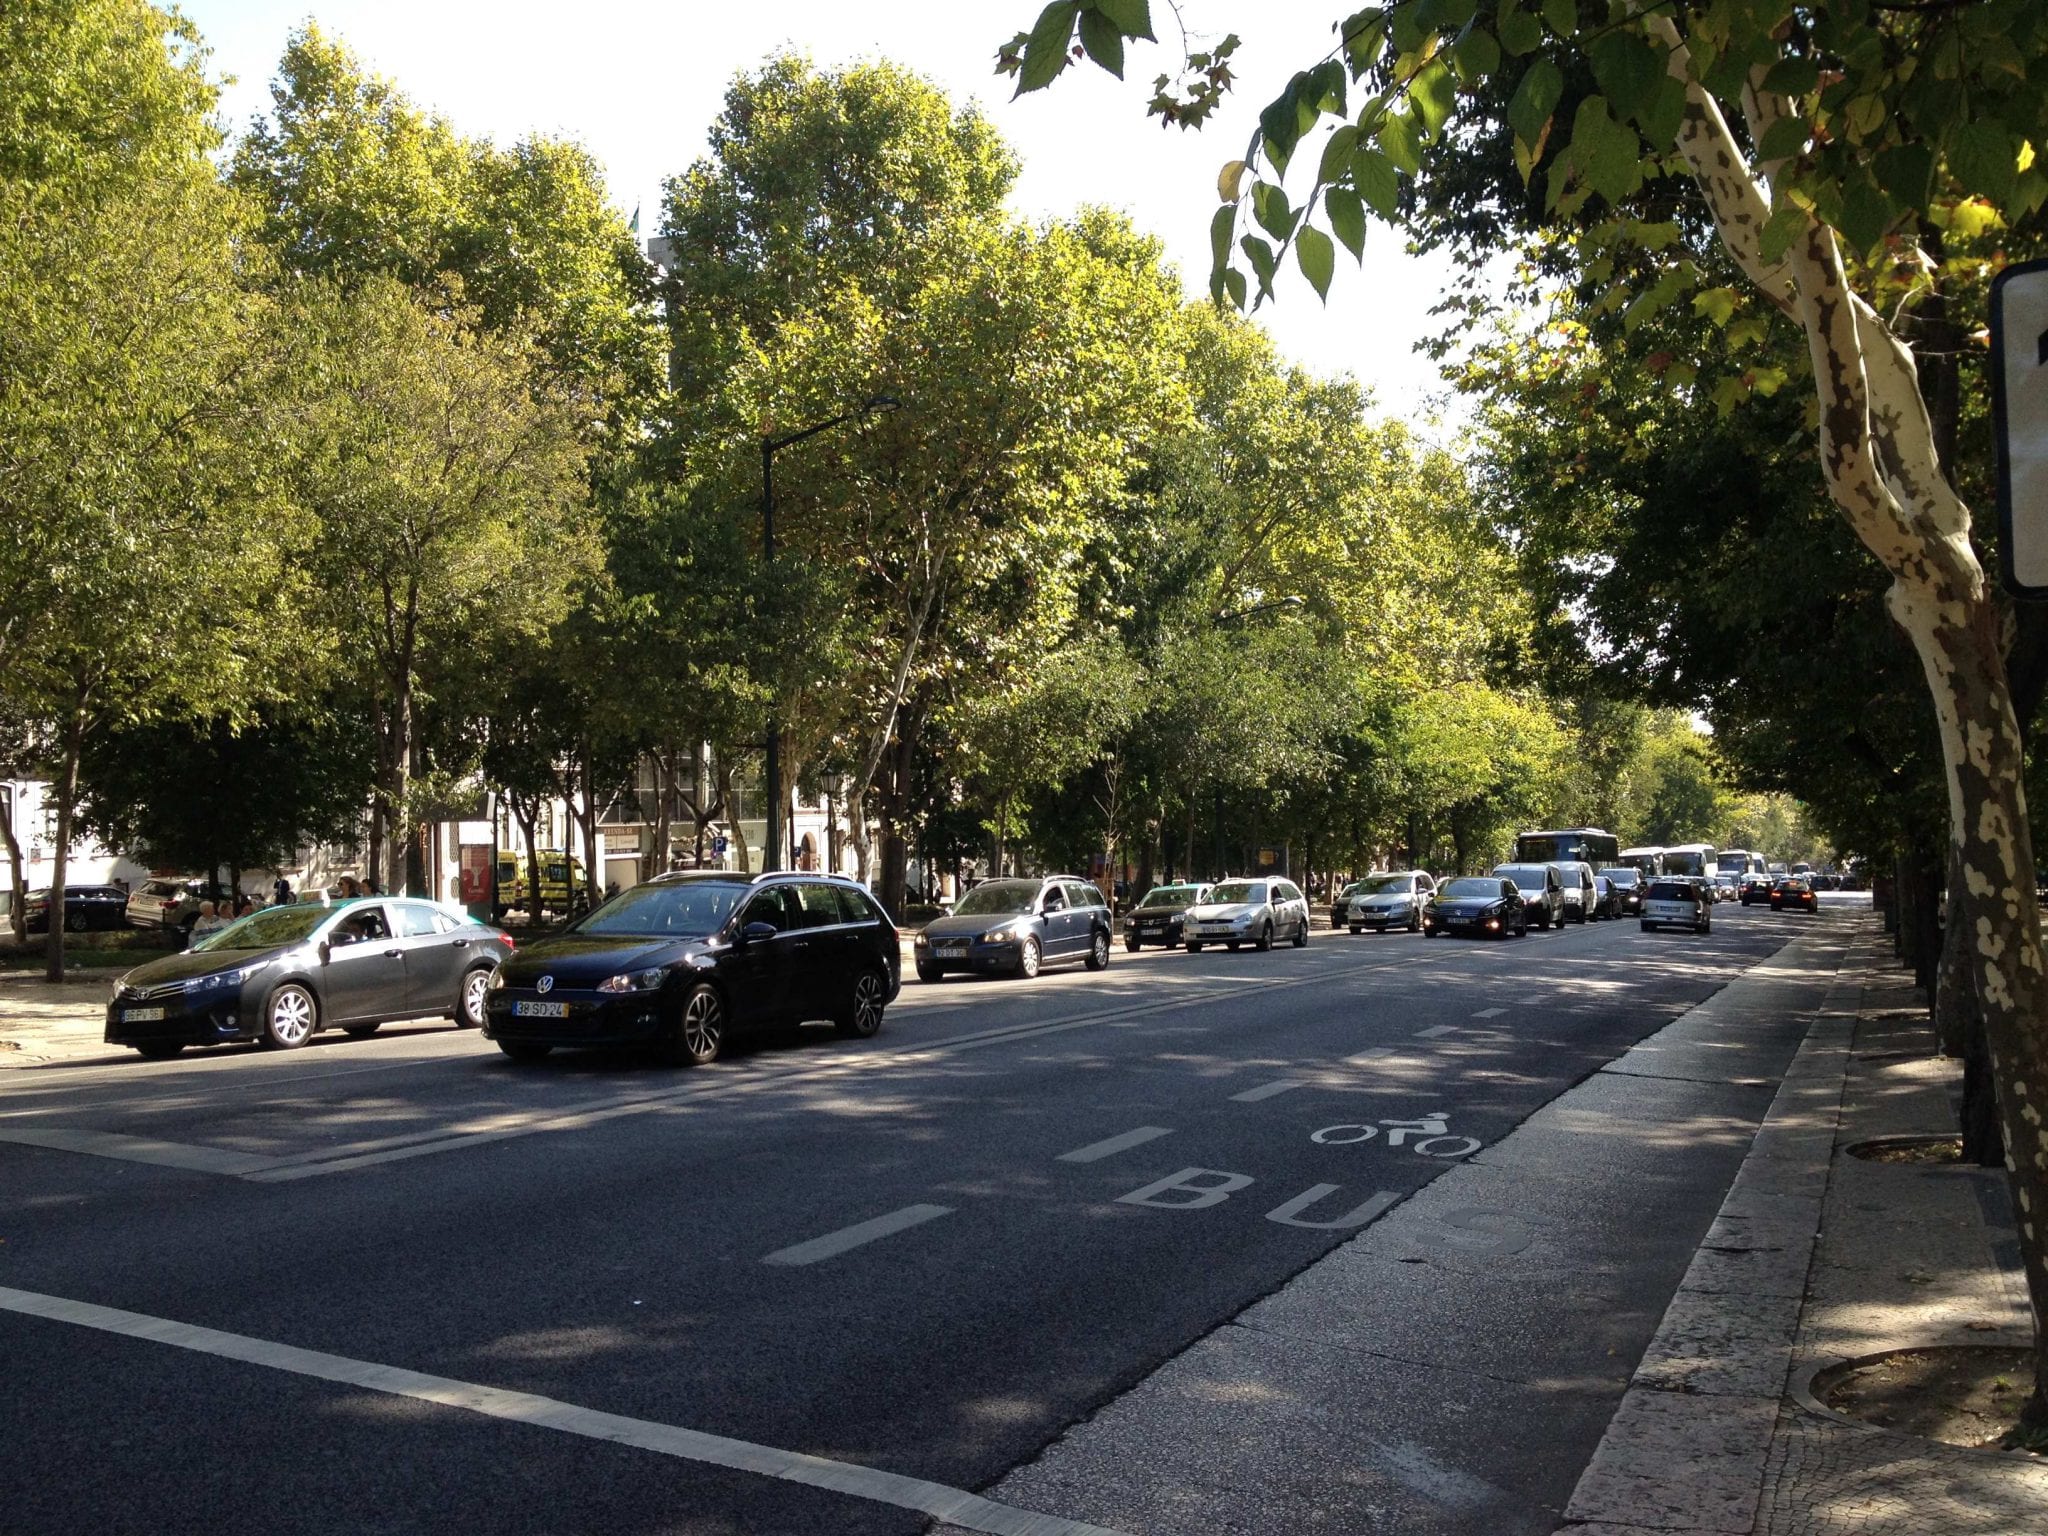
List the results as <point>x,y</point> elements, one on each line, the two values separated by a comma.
<point>771,855</point>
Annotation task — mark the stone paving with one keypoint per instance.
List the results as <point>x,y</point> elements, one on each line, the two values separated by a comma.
<point>1820,1257</point>
<point>42,1021</point>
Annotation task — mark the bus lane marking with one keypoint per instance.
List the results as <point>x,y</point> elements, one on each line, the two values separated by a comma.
<point>1266,1091</point>
<point>1096,1151</point>
<point>858,1235</point>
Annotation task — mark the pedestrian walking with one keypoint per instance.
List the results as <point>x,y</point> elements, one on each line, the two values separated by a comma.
<point>281,892</point>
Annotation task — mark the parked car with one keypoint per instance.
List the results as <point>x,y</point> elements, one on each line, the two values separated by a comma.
<point>85,907</point>
<point>1157,919</point>
<point>1628,885</point>
<point>685,961</point>
<point>1795,894</point>
<point>1677,902</point>
<point>1542,888</point>
<point>1254,912</point>
<point>282,974</point>
<point>1388,899</point>
<point>1016,927</point>
<point>1483,906</point>
<point>167,901</point>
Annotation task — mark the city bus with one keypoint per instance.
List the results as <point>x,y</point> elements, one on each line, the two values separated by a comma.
<point>1582,845</point>
<point>1649,860</point>
<point>1695,859</point>
<point>1733,865</point>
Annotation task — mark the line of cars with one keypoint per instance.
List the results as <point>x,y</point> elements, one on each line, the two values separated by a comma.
<point>162,901</point>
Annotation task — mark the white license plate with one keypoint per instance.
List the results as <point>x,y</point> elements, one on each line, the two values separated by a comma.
<point>950,951</point>
<point>141,1015</point>
<point>541,1010</point>
<point>1463,922</point>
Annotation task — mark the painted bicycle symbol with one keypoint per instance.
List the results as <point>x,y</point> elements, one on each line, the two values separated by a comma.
<point>1426,1136</point>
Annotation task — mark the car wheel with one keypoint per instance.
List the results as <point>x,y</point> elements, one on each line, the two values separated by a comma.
<point>1301,933</point>
<point>699,1028</point>
<point>160,1050</point>
<point>469,1007</point>
<point>1132,946</point>
<point>1415,922</point>
<point>1522,929</point>
<point>1356,928</point>
<point>1028,957</point>
<point>360,1031</point>
<point>1647,926</point>
<point>290,1017</point>
<point>1265,938</point>
<point>1098,951</point>
<point>74,922</point>
<point>525,1050</point>
<point>927,972</point>
<point>861,1014</point>
<point>1231,945</point>
<point>1194,946</point>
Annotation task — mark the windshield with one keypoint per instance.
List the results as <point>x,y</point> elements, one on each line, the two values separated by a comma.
<point>1375,885</point>
<point>691,910</point>
<point>268,929</point>
<point>1239,892</point>
<point>998,898</point>
<point>1528,876</point>
<point>1623,876</point>
<point>1471,888</point>
<point>1169,897</point>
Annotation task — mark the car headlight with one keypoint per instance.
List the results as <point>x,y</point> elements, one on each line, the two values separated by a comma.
<point>637,981</point>
<point>497,979</point>
<point>999,936</point>
<point>220,979</point>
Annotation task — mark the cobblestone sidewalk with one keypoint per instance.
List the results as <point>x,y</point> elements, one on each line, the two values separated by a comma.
<point>1818,1257</point>
<point>41,1022</point>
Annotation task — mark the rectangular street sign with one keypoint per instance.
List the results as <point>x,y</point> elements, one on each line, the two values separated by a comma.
<point>2019,405</point>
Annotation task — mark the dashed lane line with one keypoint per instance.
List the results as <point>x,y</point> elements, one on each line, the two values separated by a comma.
<point>1489,1013</point>
<point>1096,1151</point>
<point>954,1506</point>
<point>1266,1091</point>
<point>861,1233</point>
<point>1436,1032</point>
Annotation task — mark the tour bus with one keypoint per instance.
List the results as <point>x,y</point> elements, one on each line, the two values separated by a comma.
<point>1649,860</point>
<point>1569,845</point>
<point>1695,859</point>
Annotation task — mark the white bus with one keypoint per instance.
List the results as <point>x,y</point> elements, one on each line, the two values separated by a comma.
<point>1733,865</point>
<point>1695,859</point>
<point>1649,860</point>
<point>1568,845</point>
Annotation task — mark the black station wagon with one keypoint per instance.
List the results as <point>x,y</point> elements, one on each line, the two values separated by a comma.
<point>688,959</point>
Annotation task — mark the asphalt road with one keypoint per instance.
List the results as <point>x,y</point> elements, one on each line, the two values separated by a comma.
<point>927,1255</point>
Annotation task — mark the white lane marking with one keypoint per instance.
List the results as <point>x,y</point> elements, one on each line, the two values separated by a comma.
<point>1437,1032</point>
<point>141,1149</point>
<point>1489,1013</point>
<point>1096,1151</point>
<point>1265,1091</point>
<point>952,1505</point>
<point>834,1243</point>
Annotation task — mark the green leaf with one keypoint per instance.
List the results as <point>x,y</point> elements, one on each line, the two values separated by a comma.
<point>1715,304</point>
<point>1430,95</point>
<point>1401,143</point>
<point>1786,224</point>
<point>1271,209</point>
<point>1607,152</point>
<point>1322,92</point>
<point>1628,70</point>
<point>1337,153</point>
<point>1260,255</point>
<point>1864,115</point>
<point>1793,76</point>
<point>1907,170</point>
<point>1984,159</point>
<point>1347,219</point>
<point>1784,139</point>
<point>1476,57</point>
<point>1661,119</point>
<point>1364,36</point>
<point>1377,182</point>
<point>1534,100</point>
<point>1562,16</point>
<point>1520,32</point>
<point>1133,18</point>
<point>1866,214</point>
<point>1221,228</point>
<point>1104,43</point>
<point>1280,124</point>
<point>1317,259</point>
<point>1045,51</point>
<point>1233,282</point>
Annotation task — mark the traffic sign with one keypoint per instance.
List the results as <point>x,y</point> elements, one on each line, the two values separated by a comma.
<point>719,844</point>
<point>2019,407</point>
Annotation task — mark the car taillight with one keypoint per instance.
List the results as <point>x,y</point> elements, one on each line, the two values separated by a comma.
<point>508,941</point>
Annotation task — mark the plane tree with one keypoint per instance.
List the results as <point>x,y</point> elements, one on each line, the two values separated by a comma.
<point>1827,153</point>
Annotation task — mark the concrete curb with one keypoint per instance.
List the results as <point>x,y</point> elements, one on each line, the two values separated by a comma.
<point>1688,1448</point>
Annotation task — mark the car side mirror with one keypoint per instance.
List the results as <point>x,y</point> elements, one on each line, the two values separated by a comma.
<point>754,933</point>
<point>326,951</point>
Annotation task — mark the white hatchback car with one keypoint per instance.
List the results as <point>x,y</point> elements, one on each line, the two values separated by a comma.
<point>1677,904</point>
<point>1387,899</point>
<point>1254,912</point>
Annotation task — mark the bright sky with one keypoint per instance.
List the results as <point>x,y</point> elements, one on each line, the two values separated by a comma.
<point>639,83</point>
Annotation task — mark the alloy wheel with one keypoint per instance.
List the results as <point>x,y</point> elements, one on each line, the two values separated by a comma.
<point>475,986</point>
<point>288,1022</point>
<point>700,1031</point>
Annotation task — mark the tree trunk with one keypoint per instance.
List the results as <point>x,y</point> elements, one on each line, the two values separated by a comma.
<point>1959,1026</point>
<point>665,776</point>
<point>17,894</point>
<point>67,803</point>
